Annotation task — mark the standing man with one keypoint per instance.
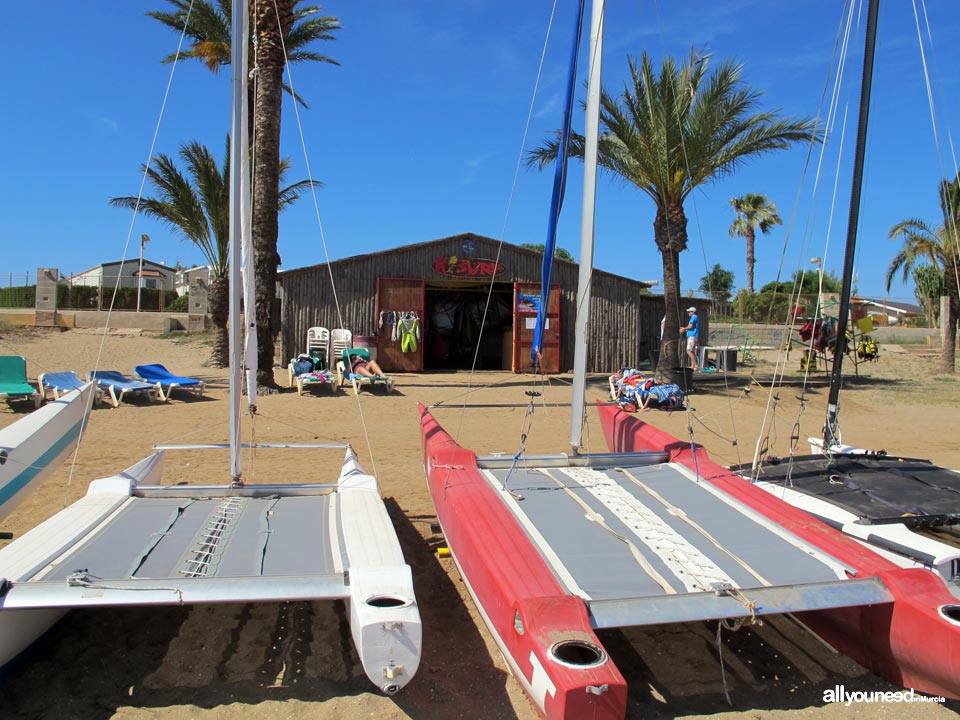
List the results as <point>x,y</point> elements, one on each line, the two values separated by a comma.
<point>693,336</point>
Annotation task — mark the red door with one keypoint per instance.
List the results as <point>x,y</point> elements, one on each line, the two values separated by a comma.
<point>396,296</point>
<point>526,301</point>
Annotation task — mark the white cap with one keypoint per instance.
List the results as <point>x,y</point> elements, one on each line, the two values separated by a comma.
<point>691,309</point>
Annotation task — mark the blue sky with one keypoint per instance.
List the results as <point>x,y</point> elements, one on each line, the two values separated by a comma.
<point>417,133</point>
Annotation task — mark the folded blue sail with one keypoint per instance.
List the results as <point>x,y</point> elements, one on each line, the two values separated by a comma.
<point>556,201</point>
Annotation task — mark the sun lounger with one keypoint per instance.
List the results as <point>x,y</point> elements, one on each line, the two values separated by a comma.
<point>167,382</point>
<point>359,381</point>
<point>116,385</point>
<point>58,384</point>
<point>13,380</point>
<point>311,369</point>
<point>307,373</point>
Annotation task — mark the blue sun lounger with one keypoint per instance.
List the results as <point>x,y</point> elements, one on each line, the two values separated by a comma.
<point>166,381</point>
<point>59,384</point>
<point>116,385</point>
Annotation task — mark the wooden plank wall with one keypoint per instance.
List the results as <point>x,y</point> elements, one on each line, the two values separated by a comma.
<point>624,323</point>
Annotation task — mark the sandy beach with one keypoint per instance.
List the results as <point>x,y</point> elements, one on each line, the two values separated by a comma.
<point>296,660</point>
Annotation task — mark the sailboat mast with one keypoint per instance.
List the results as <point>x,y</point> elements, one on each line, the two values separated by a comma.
<point>238,161</point>
<point>830,428</point>
<point>591,136</point>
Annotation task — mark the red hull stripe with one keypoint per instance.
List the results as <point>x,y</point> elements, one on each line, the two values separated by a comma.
<point>525,607</point>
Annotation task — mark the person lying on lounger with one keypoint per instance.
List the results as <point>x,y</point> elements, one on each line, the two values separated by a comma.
<point>365,368</point>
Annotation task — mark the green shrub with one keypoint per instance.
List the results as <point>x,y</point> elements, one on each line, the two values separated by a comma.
<point>180,304</point>
<point>767,306</point>
<point>24,296</point>
<point>79,297</point>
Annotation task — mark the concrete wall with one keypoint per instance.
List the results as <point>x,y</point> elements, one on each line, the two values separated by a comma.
<point>153,321</point>
<point>774,335</point>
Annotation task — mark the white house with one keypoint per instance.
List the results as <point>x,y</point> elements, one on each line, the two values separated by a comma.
<point>889,312</point>
<point>198,273</point>
<point>156,276</point>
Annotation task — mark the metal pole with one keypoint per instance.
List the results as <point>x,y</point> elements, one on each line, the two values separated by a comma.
<point>239,157</point>
<point>819,263</point>
<point>830,428</point>
<point>591,139</point>
<point>144,239</point>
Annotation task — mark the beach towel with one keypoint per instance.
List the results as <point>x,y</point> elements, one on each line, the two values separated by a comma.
<point>666,396</point>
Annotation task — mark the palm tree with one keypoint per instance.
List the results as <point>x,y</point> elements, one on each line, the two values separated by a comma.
<point>196,205</point>
<point>209,29</point>
<point>939,246</point>
<point>929,288</point>
<point>754,212</point>
<point>670,133</point>
<point>282,31</point>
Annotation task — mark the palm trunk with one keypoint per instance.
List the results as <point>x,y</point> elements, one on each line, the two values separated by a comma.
<point>670,234</point>
<point>218,298</point>
<point>948,323</point>
<point>267,111</point>
<point>751,258</point>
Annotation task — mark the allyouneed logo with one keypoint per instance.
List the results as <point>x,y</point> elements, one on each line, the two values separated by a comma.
<point>839,694</point>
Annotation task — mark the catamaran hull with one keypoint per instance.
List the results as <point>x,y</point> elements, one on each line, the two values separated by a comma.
<point>544,632</point>
<point>384,616</point>
<point>914,642</point>
<point>33,447</point>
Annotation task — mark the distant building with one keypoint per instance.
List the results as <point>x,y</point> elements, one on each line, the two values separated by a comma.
<point>185,278</point>
<point>156,276</point>
<point>889,312</point>
<point>474,301</point>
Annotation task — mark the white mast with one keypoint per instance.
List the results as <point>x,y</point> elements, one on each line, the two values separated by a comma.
<point>239,192</point>
<point>591,135</point>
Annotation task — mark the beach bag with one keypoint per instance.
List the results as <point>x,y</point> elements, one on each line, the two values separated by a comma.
<point>667,396</point>
<point>303,365</point>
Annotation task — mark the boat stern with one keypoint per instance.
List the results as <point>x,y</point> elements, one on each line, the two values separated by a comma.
<point>386,626</point>
<point>560,661</point>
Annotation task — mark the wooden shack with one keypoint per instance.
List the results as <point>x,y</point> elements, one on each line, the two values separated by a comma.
<point>439,304</point>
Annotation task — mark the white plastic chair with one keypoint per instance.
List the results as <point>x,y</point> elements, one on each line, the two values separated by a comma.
<point>318,345</point>
<point>340,339</point>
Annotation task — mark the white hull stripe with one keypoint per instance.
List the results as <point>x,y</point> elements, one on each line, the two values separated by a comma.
<point>692,568</point>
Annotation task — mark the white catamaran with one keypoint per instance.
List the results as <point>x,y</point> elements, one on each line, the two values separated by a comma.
<point>133,541</point>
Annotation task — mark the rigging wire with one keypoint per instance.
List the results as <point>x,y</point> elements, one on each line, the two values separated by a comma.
<point>951,219</point>
<point>503,231</point>
<point>323,239</point>
<point>133,219</point>
<point>700,236</point>
<point>839,58</point>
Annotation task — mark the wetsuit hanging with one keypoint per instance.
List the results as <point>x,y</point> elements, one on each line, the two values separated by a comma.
<point>409,329</point>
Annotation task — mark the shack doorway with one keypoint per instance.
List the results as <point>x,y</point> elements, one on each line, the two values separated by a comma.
<point>453,321</point>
